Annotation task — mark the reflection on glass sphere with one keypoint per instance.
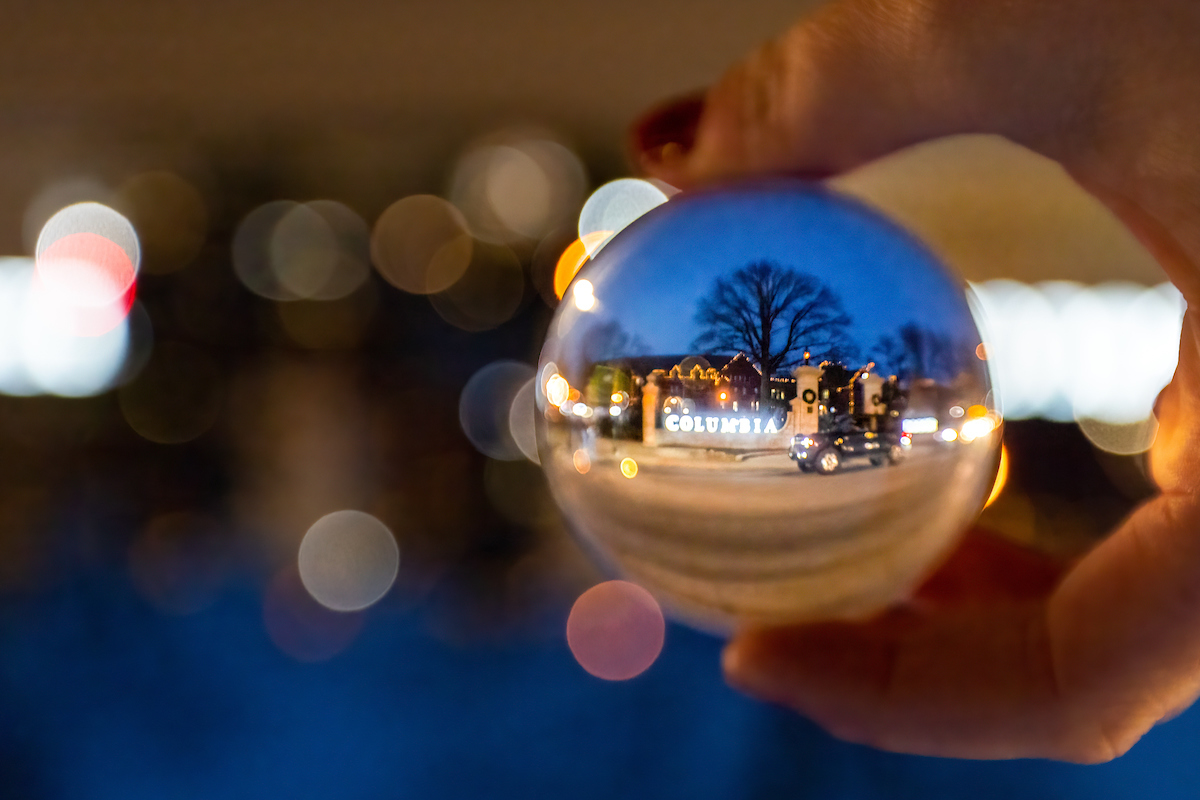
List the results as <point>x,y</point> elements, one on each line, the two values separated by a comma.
<point>767,408</point>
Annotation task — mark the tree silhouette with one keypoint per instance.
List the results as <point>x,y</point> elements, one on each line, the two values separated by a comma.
<point>916,352</point>
<point>772,314</point>
<point>892,356</point>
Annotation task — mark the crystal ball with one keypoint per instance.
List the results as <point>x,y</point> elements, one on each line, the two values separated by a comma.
<point>766,403</point>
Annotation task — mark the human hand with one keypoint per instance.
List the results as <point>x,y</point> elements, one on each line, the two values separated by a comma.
<point>1000,655</point>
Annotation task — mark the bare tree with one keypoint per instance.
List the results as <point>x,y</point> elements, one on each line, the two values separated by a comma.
<point>772,314</point>
<point>893,356</point>
<point>917,352</point>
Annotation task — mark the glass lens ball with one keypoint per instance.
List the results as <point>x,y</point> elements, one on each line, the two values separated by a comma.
<point>766,404</point>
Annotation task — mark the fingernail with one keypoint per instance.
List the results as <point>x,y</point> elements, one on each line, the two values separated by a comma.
<point>668,132</point>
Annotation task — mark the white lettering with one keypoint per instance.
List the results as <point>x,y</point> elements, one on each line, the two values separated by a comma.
<point>724,425</point>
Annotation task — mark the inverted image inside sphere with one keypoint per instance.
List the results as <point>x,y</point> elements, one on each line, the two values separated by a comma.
<point>759,392</point>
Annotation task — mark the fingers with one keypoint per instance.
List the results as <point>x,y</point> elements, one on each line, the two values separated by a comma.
<point>1079,677</point>
<point>818,100</point>
<point>985,568</point>
<point>862,78</point>
<point>967,685</point>
<point>963,671</point>
<point>1123,624</point>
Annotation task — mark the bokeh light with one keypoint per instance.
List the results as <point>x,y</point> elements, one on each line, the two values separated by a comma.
<point>613,206</point>
<point>303,251</point>
<point>170,216</point>
<point>629,468</point>
<point>485,408</point>
<point>512,187</point>
<point>352,236</point>
<point>252,250</point>
<point>348,560</point>
<point>177,396</point>
<point>573,259</point>
<point>521,420</point>
<point>1064,351</point>
<point>300,626</point>
<point>87,258</point>
<point>1121,438</point>
<point>421,244</point>
<point>39,355</point>
<point>584,295</point>
<point>488,294</point>
<point>96,219</point>
<point>616,630</point>
<point>287,251</point>
<point>558,391</point>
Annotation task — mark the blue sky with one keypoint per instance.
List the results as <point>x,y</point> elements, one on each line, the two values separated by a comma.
<point>651,277</point>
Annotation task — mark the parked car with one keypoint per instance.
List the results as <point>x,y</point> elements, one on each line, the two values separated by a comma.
<point>826,453</point>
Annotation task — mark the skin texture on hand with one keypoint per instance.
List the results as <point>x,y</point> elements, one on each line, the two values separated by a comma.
<point>1001,654</point>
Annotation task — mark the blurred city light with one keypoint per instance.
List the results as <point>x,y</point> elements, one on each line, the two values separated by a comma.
<point>252,250</point>
<point>485,408</point>
<point>613,206</point>
<point>616,630</point>
<point>287,251</point>
<point>352,264</point>
<point>573,259</point>
<point>170,216</point>
<point>557,389</point>
<point>629,468</point>
<point>521,420</point>
<point>39,354</point>
<point>584,295</point>
<point>303,251</point>
<point>1123,439</point>
<point>488,294</point>
<point>421,244</point>
<point>348,560</point>
<point>300,626</point>
<point>976,428</point>
<point>582,461</point>
<point>1064,351</point>
<point>513,187</point>
<point>87,258</point>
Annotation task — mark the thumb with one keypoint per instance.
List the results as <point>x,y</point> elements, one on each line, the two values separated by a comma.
<point>855,81</point>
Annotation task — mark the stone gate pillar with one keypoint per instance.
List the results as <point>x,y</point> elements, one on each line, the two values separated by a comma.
<point>650,408</point>
<point>806,406</point>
